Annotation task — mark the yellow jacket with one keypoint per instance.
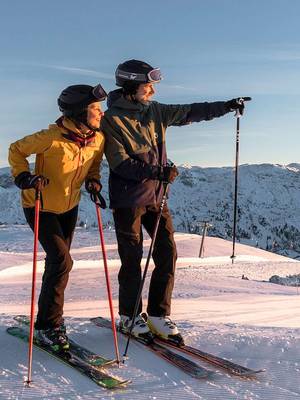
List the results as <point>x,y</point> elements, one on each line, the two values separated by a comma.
<point>62,161</point>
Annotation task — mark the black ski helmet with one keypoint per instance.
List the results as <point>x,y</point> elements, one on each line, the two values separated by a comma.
<point>130,74</point>
<point>74,100</point>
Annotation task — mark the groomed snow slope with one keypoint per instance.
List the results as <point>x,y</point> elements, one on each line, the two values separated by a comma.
<point>250,321</point>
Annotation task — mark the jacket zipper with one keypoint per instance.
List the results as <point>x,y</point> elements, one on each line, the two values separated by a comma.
<point>74,177</point>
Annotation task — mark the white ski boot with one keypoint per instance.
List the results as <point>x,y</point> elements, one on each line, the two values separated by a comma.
<point>165,329</point>
<point>140,329</point>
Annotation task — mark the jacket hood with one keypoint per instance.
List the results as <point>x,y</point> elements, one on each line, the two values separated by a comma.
<point>113,96</point>
<point>116,99</point>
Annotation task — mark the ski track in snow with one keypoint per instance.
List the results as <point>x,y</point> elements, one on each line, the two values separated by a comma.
<point>252,322</point>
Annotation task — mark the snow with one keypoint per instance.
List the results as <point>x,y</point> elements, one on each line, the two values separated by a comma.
<point>228,309</point>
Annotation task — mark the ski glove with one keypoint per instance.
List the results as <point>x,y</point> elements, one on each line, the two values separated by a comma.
<point>93,186</point>
<point>237,104</point>
<point>26,180</point>
<point>168,174</point>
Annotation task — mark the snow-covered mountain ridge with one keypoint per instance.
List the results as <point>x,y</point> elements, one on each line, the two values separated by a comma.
<point>268,204</point>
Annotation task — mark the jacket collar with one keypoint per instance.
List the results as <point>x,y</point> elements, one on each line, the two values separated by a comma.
<point>71,132</point>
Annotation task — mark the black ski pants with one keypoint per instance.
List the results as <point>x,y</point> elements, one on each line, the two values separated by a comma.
<point>128,225</point>
<point>55,235</point>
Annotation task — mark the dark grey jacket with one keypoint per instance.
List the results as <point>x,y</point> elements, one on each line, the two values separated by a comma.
<point>135,145</point>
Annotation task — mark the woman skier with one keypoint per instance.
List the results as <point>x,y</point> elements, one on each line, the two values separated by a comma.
<point>68,153</point>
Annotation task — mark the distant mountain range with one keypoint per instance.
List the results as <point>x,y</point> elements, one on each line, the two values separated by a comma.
<point>268,205</point>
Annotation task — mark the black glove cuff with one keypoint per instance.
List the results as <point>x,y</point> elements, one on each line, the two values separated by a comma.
<point>22,178</point>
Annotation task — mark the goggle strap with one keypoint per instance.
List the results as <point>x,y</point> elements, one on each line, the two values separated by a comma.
<point>143,78</point>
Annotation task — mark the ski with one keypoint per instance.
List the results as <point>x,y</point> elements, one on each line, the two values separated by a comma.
<point>178,360</point>
<point>231,367</point>
<point>98,376</point>
<point>76,349</point>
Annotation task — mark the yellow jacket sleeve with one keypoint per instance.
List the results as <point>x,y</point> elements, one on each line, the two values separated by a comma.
<point>21,149</point>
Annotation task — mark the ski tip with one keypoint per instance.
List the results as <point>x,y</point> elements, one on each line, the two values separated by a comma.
<point>203,374</point>
<point>259,371</point>
<point>251,374</point>
<point>116,385</point>
<point>124,383</point>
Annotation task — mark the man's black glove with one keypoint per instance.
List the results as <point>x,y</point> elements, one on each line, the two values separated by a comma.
<point>168,174</point>
<point>93,186</point>
<point>237,104</point>
<point>26,180</point>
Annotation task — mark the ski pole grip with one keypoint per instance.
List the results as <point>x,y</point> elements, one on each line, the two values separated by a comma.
<point>242,99</point>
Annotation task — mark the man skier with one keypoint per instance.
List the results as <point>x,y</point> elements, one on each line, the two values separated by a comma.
<point>68,153</point>
<point>134,129</point>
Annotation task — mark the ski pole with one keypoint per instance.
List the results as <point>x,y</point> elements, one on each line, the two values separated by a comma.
<point>99,202</point>
<point>35,248</point>
<point>206,225</point>
<point>238,114</point>
<point>237,145</point>
<point>139,295</point>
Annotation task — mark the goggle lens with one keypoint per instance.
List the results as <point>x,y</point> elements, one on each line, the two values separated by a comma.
<point>99,92</point>
<point>155,75</point>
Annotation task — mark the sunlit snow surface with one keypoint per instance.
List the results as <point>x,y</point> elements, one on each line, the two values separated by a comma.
<point>250,321</point>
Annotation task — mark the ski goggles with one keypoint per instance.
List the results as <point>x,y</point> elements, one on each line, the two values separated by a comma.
<point>151,77</point>
<point>99,93</point>
<point>154,75</point>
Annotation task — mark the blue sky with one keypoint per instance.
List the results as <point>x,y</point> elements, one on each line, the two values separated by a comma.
<point>207,51</point>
